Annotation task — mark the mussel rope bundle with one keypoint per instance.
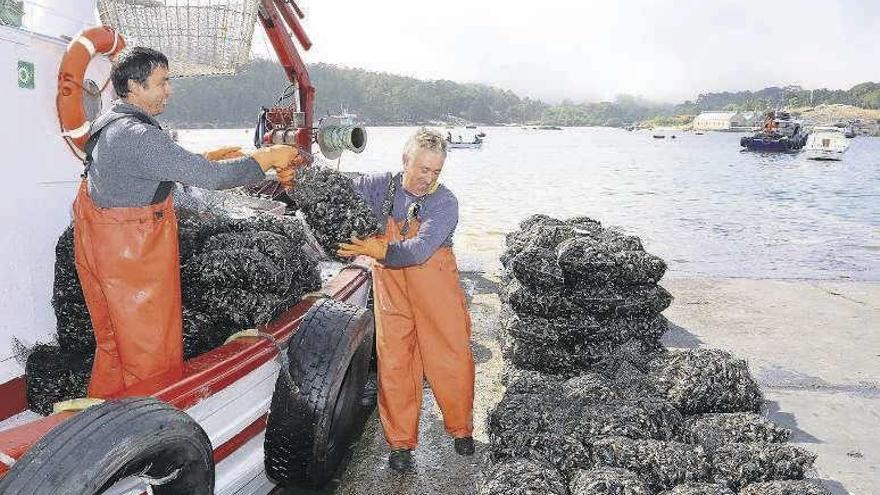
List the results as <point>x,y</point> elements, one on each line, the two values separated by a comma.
<point>236,273</point>
<point>54,375</point>
<point>522,476</point>
<point>580,292</point>
<point>74,328</point>
<point>246,286</point>
<point>332,207</point>
<point>627,422</point>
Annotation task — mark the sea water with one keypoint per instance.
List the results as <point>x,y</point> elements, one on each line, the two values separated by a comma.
<point>697,201</point>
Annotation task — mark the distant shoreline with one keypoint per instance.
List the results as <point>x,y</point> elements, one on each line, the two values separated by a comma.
<point>867,119</point>
<point>875,133</point>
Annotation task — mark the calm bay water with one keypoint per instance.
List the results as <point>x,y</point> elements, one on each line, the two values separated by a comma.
<point>697,201</point>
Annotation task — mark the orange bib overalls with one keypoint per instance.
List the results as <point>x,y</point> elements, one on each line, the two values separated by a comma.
<point>129,267</point>
<point>423,329</point>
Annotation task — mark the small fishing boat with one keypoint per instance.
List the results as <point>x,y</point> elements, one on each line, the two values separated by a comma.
<point>468,138</point>
<point>826,143</point>
<point>663,133</point>
<point>476,144</point>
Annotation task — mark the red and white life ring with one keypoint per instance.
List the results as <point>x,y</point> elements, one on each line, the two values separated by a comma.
<point>71,109</point>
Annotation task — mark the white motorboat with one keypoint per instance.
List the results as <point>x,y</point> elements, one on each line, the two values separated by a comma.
<point>826,143</point>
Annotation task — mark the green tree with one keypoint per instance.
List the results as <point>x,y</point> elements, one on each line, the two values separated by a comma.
<point>380,98</point>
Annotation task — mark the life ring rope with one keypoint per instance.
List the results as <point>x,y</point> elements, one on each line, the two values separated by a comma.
<point>79,131</point>
<point>85,46</point>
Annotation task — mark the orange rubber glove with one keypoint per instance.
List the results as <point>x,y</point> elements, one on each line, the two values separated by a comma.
<point>276,156</point>
<point>374,247</point>
<point>280,157</point>
<point>224,153</point>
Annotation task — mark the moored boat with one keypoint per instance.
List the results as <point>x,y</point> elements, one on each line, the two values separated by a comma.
<point>468,138</point>
<point>661,133</point>
<point>779,133</point>
<point>471,145</point>
<point>826,143</point>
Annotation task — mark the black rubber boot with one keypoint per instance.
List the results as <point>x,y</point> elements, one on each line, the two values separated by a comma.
<point>464,445</point>
<point>401,460</point>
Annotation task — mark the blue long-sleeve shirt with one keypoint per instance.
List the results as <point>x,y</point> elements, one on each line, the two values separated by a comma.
<point>438,218</point>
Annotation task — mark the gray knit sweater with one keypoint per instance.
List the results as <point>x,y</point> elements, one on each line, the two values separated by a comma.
<point>132,159</point>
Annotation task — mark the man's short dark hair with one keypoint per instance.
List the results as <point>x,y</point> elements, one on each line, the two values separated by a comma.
<point>135,64</point>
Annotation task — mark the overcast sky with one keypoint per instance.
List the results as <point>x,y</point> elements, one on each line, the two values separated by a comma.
<point>588,50</point>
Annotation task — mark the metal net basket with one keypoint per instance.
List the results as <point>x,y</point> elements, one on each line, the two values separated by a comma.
<point>199,37</point>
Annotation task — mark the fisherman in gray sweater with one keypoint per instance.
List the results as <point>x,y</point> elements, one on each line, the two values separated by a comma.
<point>125,228</point>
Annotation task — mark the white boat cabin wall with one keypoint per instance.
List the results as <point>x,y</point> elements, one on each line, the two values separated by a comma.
<point>42,174</point>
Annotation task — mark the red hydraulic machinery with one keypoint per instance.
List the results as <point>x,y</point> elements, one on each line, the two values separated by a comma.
<point>285,124</point>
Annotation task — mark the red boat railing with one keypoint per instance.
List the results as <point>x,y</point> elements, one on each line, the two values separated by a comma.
<point>203,376</point>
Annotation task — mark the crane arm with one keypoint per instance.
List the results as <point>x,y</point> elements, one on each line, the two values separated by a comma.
<point>275,17</point>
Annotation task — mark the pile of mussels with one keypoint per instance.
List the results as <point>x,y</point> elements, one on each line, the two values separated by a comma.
<point>596,405</point>
<point>333,209</point>
<point>236,273</point>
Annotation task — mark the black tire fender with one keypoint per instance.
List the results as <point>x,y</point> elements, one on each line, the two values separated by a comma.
<point>91,451</point>
<point>312,424</point>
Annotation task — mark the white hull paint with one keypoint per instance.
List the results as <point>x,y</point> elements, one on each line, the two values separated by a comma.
<point>826,143</point>
<point>226,413</point>
<point>42,176</point>
<point>37,191</point>
<point>824,155</point>
<point>243,471</point>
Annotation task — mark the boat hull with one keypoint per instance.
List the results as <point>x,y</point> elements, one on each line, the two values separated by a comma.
<point>227,391</point>
<point>832,155</point>
<point>826,144</point>
<point>770,145</point>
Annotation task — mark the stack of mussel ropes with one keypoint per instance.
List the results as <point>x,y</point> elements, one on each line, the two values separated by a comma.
<point>236,273</point>
<point>595,404</point>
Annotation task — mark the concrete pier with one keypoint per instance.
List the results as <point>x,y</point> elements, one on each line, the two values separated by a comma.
<point>814,346</point>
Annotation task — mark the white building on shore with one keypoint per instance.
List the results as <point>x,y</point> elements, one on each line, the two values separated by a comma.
<point>723,121</point>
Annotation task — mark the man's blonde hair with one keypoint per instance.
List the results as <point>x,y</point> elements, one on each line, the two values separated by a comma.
<point>425,139</point>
